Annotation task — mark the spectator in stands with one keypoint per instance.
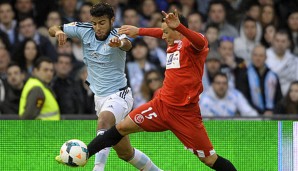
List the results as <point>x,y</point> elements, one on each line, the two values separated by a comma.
<point>267,35</point>
<point>27,29</point>
<point>53,18</point>
<point>37,99</point>
<point>254,10</point>
<point>220,100</point>
<point>28,53</point>
<point>289,104</point>
<point>212,35</point>
<point>4,62</point>
<point>157,54</point>
<point>217,14</point>
<point>263,83</point>
<point>84,12</point>
<point>293,26</point>
<point>7,24</point>
<point>4,42</point>
<point>212,67</point>
<point>268,16</point>
<point>69,97</point>
<point>13,90</point>
<point>188,6</point>
<point>151,83</point>
<point>68,11</point>
<point>250,36</point>
<point>148,7</point>
<point>87,95</point>
<point>155,20</point>
<point>131,17</point>
<point>233,66</point>
<point>75,52</point>
<point>195,21</point>
<point>137,67</point>
<point>24,8</point>
<point>282,61</point>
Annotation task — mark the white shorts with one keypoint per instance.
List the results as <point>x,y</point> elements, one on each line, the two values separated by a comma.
<point>120,104</point>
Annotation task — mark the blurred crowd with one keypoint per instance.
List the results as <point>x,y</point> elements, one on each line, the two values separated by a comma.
<point>251,69</point>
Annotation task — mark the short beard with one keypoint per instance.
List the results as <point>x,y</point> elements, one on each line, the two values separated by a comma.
<point>107,34</point>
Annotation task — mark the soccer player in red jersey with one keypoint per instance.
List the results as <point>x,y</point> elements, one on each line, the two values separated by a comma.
<point>176,106</point>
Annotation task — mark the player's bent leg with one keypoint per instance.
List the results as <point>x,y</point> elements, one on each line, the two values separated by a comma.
<point>112,136</point>
<point>133,156</point>
<point>106,120</point>
<point>128,126</point>
<point>218,163</point>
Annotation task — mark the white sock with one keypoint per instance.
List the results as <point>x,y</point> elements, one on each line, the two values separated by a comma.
<point>102,156</point>
<point>142,162</point>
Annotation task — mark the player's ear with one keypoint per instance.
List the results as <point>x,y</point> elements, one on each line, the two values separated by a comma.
<point>112,20</point>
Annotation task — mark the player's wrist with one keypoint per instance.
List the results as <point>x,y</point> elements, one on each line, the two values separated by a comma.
<point>121,44</point>
<point>58,32</point>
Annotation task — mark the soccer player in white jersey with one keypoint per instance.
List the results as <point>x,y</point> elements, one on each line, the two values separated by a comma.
<point>104,55</point>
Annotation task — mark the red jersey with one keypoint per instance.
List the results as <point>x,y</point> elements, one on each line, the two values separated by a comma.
<point>184,68</point>
<point>183,76</point>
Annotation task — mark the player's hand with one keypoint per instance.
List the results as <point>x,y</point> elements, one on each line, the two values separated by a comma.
<point>171,19</point>
<point>115,42</point>
<point>130,31</point>
<point>61,37</point>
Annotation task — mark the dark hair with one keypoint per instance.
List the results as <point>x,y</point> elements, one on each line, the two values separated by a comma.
<point>23,18</point>
<point>212,25</point>
<point>19,56</point>
<point>291,107</point>
<point>138,41</point>
<point>263,40</point>
<point>147,93</point>
<point>217,2</point>
<point>12,64</point>
<point>102,9</point>
<point>252,4</point>
<point>220,74</point>
<point>286,32</point>
<point>42,59</point>
<point>248,18</point>
<point>197,13</point>
<point>60,55</point>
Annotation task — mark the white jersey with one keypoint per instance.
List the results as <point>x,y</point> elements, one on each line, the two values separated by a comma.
<point>229,105</point>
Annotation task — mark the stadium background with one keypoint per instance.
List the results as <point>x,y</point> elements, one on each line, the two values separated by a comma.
<point>250,145</point>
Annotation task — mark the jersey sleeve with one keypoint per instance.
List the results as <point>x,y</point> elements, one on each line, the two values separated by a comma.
<point>114,32</point>
<point>76,29</point>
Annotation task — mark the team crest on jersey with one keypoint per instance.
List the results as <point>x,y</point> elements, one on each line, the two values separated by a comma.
<point>139,118</point>
<point>173,60</point>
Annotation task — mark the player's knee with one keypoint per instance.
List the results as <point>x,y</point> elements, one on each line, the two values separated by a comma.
<point>105,120</point>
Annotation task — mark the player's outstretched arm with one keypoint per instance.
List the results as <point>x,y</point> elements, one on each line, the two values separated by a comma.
<point>198,41</point>
<point>55,31</point>
<point>133,32</point>
<point>123,44</point>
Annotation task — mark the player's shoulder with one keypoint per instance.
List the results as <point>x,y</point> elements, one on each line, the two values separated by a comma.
<point>114,32</point>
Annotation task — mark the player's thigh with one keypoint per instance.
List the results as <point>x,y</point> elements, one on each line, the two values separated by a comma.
<point>117,105</point>
<point>194,136</point>
<point>148,116</point>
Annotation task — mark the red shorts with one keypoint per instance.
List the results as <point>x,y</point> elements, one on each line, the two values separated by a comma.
<point>185,122</point>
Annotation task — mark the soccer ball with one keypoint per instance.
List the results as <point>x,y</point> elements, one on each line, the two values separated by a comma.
<point>74,153</point>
